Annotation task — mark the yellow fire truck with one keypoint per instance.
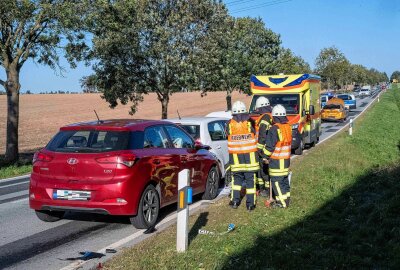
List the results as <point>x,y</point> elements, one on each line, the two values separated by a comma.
<point>300,95</point>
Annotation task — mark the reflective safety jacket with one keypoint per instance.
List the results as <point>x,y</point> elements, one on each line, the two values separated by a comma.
<point>278,147</point>
<point>242,146</point>
<point>262,125</point>
<point>241,138</point>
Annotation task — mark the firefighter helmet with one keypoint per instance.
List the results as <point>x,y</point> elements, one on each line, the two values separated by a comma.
<point>238,107</point>
<point>278,110</point>
<point>262,102</point>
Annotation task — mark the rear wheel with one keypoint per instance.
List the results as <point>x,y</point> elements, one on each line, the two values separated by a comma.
<point>49,216</point>
<point>149,208</point>
<point>212,184</point>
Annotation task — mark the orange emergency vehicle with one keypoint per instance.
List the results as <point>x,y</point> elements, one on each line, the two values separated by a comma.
<point>300,95</point>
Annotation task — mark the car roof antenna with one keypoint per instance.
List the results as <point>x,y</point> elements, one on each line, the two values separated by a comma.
<point>179,116</point>
<point>98,119</point>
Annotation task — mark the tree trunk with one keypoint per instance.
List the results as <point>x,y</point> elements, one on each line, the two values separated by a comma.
<point>12,87</point>
<point>164,107</point>
<point>229,100</point>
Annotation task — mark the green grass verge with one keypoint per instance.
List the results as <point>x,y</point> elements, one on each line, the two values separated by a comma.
<point>344,212</point>
<point>14,170</point>
<point>21,167</point>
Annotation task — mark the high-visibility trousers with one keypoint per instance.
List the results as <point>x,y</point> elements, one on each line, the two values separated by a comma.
<point>281,189</point>
<point>247,178</point>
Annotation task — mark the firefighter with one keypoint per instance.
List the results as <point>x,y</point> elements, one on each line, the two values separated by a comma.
<point>243,159</point>
<point>262,125</point>
<point>278,149</point>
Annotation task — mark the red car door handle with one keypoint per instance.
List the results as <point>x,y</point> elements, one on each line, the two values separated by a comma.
<point>156,161</point>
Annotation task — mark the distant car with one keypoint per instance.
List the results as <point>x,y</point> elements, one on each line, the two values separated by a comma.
<point>324,99</point>
<point>349,100</point>
<point>118,167</point>
<point>334,110</point>
<point>209,131</point>
<point>356,88</point>
<point>224,114</point>
<point>365,91</point>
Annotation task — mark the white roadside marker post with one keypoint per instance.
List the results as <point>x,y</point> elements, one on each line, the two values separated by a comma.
<point>379,96</point>
<point>351,127</point>
<point>184,199</point>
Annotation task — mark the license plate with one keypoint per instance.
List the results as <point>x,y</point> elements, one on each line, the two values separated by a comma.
<point>71,195</point>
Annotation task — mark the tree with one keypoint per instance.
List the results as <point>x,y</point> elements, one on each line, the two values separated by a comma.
<point>88,84</point>
<point>235,49</point>
<point>289,63</point>
<point>395,76</point>
<point>333,66</point>
<point>38,30</point>
<point>148,46</point>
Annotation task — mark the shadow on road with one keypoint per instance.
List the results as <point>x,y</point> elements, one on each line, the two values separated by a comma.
<point>358,229</point>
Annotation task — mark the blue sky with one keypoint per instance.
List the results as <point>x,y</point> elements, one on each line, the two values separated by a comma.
<point>366,31</point>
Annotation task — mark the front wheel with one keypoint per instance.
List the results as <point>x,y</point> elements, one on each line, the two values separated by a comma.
<point>299,150</point>
<point>212,184</point>
<point>149,208</point>
<point>49,216</point>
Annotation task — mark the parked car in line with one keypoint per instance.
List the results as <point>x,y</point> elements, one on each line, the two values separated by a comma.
<point>324,100</point>
<point>118,167</point>
<point>209,131</point>
<point>223,114</point>
<point>356,88</point>
<point>334,110</point>
<point>349,101</point>
<point>365,91</point>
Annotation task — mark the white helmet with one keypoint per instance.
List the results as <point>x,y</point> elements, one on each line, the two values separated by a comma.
<point>278,110</point>
<point>262,102</point>
<point>238,107</point>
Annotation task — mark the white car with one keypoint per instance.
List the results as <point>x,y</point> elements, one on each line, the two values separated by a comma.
<point>223,114</point>
<point>209,131</point>
<point>365,91</point>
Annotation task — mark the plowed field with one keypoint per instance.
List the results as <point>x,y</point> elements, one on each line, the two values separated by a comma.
<point>42,115</point>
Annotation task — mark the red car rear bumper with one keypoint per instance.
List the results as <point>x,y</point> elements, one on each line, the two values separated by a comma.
<point>114,197</point>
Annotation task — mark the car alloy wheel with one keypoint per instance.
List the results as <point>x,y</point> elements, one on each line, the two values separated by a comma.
<point>150,206</point>
<point>212,184</point>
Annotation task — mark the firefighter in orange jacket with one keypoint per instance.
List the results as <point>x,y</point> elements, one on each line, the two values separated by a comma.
<point>278,149</point>
<point>262,125</point>
<point>243,159</point>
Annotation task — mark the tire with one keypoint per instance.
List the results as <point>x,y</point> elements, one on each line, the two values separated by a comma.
<point>212,184</point>
<point>49,216</point>
<point>148,210</point>
<point>299,150</point>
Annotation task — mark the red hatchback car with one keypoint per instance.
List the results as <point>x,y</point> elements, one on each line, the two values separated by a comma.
<point>118,167</point>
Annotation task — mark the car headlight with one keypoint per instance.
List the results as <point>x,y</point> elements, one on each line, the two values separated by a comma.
<point>295,126</point>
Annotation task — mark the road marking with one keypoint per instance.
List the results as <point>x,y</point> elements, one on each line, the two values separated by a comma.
<point>14,194</point>
<point>14,178</point>
<point>16,184</point>
<point>18,201</point>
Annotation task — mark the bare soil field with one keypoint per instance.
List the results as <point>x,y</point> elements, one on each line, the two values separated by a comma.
<point>42,115</point>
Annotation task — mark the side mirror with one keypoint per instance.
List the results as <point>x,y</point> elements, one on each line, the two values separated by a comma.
<point>311,111</point>
<point>303,112</point>
<point>198,146</point>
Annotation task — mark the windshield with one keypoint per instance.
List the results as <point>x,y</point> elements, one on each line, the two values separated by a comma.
<point>344,97</point>
<point>289,101</point>
<point>193,130</point>
<point>89,141</point>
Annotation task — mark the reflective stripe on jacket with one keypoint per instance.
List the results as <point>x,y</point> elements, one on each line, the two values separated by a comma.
<point>284,145</point>
<point>241,139</point>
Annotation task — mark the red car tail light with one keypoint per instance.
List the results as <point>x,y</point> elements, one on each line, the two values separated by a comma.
<point>39,156</point>
<point>125,159</point>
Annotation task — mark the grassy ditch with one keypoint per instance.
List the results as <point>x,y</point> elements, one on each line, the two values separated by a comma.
<point>345,212</point>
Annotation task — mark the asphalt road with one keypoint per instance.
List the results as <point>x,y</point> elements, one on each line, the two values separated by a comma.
<point>28,243</point>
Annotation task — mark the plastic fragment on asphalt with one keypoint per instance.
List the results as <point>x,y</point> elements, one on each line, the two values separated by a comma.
<point>150,230</point>
<point>111,250</point>
<point>86,255</point>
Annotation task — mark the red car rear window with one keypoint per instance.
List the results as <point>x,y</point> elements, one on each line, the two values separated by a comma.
<point>93,141</point>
